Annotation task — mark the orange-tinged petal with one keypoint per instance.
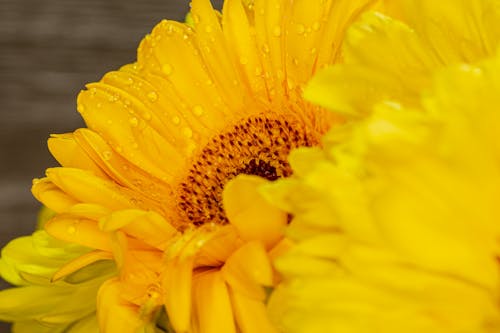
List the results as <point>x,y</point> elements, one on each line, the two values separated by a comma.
<point>119,168</point>
<point>213,49</point>
<point>177,283</point>
<point>146,226</point>
<point>171,56</point>
<point>212,305</point>
<point>68,153</point>
<point>88,211</point>
<point>78,230</point>
<point>86,187</point>
<point>144,147</point>
<point>248,269</point>
<point>268,29</point>
<point>115,314</point>
<point>240,37</point>
<point>219,247</point>
<point>251,315</point>
<point>47,193</point>
<point>250,213</point>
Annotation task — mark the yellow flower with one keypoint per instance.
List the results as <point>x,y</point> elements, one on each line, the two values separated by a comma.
<point>387,58</point>
<point>396,218</point>
<point>142,185</point>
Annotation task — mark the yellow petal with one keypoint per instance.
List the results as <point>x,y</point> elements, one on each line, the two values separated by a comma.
<point>240,38</point>
<point>251,314</point>
<point>213,49</point>
<point>89,188</point>
<point>248,270</point>
<point>219,247</point>
<point>68,153</point>
<point>51,196</point>
<point>78,230</point>
<point>81,262</point>
<point>213,312</point>
<point>177,299</point>
<point>458,31</point>
<point>119,168</point>
<point>253,217</point>
<point>148,227</point>
<point>115,314</point>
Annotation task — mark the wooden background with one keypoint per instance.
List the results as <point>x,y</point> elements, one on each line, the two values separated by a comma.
<point>49,49</point>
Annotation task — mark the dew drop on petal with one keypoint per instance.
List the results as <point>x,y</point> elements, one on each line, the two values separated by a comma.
<point>316,26</point>
<point>133,121</point>
<point>167,69</point>
<point>153,96</point>
<point>176,120</point>
<point>107,155</point>
<point>198,110</point>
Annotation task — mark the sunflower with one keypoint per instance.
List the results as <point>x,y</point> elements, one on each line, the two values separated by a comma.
<point>148,185</point>
<point>396,216</point>
<point>394,57</point>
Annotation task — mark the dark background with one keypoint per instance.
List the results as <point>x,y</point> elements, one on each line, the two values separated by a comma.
<point>49,49</point>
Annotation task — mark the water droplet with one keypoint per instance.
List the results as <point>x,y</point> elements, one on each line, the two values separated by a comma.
<point>188,132</point>
<point>99,105</point>
<point>176,120</point>
<point>208,29</point>
<point>71,230</point>
<point>300,29</point>
<point>153,96</point>
<point>316,26</point>
<point>295,61</point>
<point>147,116</point>
<point>129,81</point>
<point>209,82</point>
<point>135,145</point>
<point>167,69</point>
<point>265,48</point>
<point>277,31</point>
<point>109,122</point>
<point>198,110</point>
<point>81,108</point>
<point>107,155</point>
<point>258,71</point>
<point>133,121</point>
<point>119,149</point>
<point>314,50</point>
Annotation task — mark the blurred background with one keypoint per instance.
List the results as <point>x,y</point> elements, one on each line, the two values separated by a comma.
<point>48,50</point>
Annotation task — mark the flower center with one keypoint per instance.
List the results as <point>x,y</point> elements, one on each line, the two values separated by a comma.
<point>257,146</point>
